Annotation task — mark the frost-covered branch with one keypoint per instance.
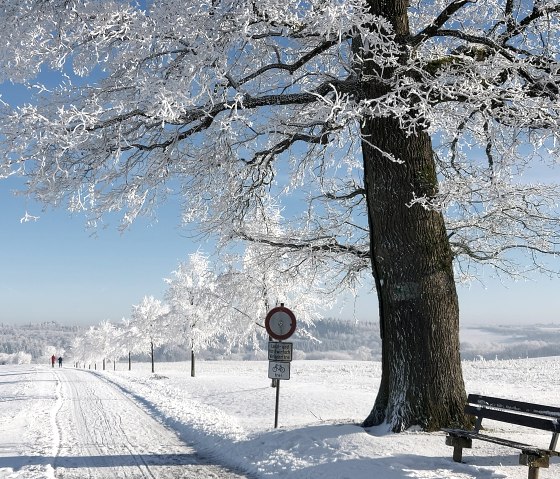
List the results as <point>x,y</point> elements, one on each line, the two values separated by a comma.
<point>326,244</point>
<point>446,14</point>
<point>236,108</point>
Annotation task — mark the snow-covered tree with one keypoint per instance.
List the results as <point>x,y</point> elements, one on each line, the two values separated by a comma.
<point>264,277</point>
<point>129,339</point>
<point>92,347</point>
<point>148,318</point>
<point>378,117</point>
<point>107,337</point>
<point>98,344</point>
<point>194,306</point>
<point>16,358</point>
<point>78,350</point>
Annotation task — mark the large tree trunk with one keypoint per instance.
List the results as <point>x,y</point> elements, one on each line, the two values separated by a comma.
<point>421,382</point>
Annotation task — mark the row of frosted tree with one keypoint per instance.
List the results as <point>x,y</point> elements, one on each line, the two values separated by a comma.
<point>204,308</point>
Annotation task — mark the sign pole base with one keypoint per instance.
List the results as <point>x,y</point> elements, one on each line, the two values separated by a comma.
<point>277,403</point>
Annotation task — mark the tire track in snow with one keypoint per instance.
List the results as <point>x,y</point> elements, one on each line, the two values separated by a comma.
<point>55,427</point>
<point>104,433</point>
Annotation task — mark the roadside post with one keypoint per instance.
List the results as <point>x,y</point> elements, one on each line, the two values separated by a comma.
<point>280,324</point>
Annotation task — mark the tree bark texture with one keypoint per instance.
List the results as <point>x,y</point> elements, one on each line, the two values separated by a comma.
<point>422,382</point>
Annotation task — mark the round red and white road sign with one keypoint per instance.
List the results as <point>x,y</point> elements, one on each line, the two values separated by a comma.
<point>280,323</point>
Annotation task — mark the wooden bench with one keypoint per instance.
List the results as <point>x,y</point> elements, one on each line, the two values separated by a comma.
<point>535,416</point>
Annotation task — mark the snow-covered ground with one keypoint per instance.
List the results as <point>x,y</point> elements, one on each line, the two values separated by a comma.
<point>227,414</point>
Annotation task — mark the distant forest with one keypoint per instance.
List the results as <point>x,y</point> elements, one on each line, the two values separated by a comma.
<point>328,339</point>
<point>41,340</point>
<point>510,341</point>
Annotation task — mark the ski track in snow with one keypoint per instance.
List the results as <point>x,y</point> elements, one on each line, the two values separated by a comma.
<point>53,417</point>
<point>84,427</point>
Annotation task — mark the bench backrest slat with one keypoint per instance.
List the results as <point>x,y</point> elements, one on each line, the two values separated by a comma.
<point>514,405</point>
<point>513,418</point>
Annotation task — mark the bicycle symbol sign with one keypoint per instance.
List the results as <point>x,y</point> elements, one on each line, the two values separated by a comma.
<point>278,370</point>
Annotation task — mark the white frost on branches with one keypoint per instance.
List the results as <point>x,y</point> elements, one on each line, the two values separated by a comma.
<point>194,311</point>
<point>148,320</point>
<point>238,105</point>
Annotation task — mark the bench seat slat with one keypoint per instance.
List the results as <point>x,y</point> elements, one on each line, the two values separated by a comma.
<point>520,406</point>
<point>512,417</point>
<point>525,448</point>
<point>536,416</point>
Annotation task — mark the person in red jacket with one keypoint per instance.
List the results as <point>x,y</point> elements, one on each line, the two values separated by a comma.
<point>53,359</point>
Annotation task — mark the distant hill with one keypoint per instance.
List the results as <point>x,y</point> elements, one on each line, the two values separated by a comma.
<point>338,339</point>
<point>328,339</point>
<point>510,341</point>
<point>36,339</point>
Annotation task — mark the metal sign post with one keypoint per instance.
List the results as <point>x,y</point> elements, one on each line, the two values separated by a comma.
<point>280,323</point>
<point>277,405</point>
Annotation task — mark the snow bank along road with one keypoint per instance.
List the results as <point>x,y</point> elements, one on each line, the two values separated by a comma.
<point>64,423</point>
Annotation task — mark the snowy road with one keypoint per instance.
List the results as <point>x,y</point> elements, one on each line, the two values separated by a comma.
<point>84,427</point>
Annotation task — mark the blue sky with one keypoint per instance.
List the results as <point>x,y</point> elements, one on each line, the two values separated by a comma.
<point>54,269</point>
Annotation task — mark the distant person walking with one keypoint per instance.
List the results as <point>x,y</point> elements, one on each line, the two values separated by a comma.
<point>60,362</point>
<point>53,359</point>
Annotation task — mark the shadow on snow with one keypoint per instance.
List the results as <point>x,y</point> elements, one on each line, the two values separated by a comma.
<point>119,460</point>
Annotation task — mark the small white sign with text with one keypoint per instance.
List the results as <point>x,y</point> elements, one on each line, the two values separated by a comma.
<point>278,370</point>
